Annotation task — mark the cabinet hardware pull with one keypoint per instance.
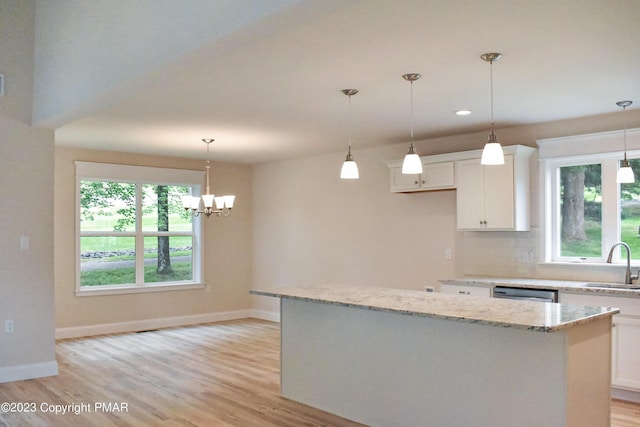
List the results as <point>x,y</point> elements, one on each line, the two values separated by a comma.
<point>415,182</point>
<point>424,182</point>
<point>464,292</point>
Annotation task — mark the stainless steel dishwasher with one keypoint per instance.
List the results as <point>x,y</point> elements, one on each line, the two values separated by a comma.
<point>526,294</point>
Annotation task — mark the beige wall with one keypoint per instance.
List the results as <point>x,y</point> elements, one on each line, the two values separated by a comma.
<point>227,248</point>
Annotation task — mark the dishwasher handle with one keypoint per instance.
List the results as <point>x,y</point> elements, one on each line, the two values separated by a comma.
<point>502,295</point>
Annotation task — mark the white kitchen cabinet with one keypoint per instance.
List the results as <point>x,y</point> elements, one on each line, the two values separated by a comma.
<point>495,197</point>
<point>626,352</point>
<point>625,339</point>
<point>435,176</point>
<point>476,291</point>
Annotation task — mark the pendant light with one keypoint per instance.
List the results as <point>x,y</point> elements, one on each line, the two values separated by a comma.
<point>625,173</point>
<point>412,163</point>
<point>492,153</point>
<point>349,167</point>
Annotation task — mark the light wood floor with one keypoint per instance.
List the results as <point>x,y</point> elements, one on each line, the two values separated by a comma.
<point>220,374</point>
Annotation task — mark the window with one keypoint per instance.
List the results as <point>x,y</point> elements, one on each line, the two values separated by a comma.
<point>584,210</point>
<point>133,234</point>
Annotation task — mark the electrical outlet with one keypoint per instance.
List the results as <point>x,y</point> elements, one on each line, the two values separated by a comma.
<point>447,253</point>
<point>8,326</point>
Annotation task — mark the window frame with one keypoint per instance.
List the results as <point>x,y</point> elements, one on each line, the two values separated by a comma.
<point>604,148</point>
<point>139,175</point>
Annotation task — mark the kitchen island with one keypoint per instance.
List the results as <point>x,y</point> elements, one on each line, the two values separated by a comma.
<point>392,357</point>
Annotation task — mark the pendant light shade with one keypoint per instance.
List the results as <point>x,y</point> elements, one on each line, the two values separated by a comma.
<point>625,173</point>
<point>349,167</point>
<point>492,153</point>
<point>412,163</point>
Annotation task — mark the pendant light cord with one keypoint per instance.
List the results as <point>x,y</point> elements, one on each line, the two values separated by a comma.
<point>349,118</point>
<point>624,111</point>
<point>411,104</point>
<point>491,89</point>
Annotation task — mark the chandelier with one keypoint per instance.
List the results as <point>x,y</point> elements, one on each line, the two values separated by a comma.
<point>223,204</point>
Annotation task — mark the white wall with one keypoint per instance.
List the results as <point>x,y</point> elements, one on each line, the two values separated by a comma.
<point>311,228</point>
<point>74,73</point>
<point>26,209</point>
<point>16,61</point>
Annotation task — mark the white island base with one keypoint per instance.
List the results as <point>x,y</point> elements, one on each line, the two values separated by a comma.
<point>383,368</point>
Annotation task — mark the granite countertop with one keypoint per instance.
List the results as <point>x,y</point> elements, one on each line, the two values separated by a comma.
<point>586,287</point>
<point>534,316</point>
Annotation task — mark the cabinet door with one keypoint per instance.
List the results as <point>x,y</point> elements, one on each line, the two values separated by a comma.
<point>470,194</point>
<point>402,182</point>
<point>437,176</point>
<point>626,350</point>
<point>499,195</point>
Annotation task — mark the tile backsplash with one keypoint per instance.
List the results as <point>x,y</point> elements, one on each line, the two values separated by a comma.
<point>499,253</point>
<point>515,254</point>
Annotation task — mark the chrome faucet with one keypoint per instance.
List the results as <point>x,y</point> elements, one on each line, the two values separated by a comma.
<point>627,279</point>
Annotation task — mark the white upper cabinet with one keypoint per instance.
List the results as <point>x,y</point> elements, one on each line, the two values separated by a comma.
<point>485,198</point>
<point>495,197</point>
<point>435,176</point>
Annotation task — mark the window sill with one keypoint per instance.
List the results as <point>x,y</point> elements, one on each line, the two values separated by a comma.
<point>634,264</point>
<point>135,289</point>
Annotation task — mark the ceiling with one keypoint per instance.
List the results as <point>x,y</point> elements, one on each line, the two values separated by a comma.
<point>269,86</point>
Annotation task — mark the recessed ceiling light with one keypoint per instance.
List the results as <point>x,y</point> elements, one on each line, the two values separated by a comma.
<point>463,112</point>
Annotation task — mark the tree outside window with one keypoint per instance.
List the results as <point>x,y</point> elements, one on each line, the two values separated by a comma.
<point>134,233</point>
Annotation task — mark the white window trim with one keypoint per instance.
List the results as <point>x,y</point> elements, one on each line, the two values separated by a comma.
<point>145,175</point>
<point>606,148</point>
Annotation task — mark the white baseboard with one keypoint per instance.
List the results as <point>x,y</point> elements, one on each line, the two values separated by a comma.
<point>147,324</point>
<point>29,371</point>
<point>266,315</point>
<point>165,322</point>
<point>622,394</point>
